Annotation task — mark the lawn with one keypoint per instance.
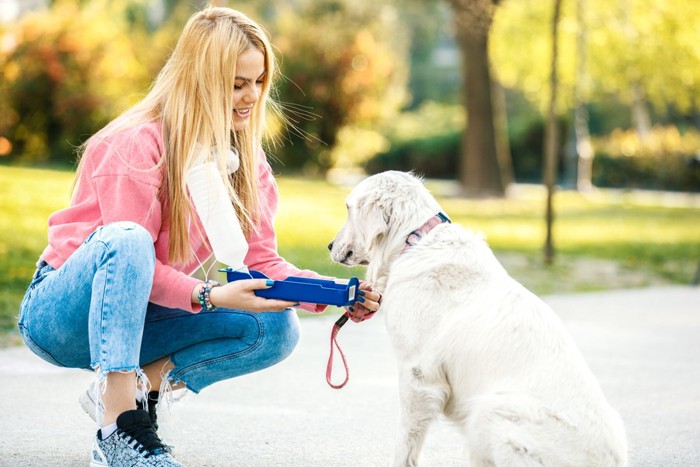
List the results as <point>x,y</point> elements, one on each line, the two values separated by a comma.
<point>606,240</point>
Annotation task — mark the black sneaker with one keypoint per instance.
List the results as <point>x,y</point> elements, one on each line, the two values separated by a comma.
<point>134,444</point>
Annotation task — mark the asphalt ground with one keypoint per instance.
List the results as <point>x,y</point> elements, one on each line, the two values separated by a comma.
<point>643,345</point>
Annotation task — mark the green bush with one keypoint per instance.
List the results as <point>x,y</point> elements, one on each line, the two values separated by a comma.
<point>666,159</point>
<point>433,156</point>
<point>70,69</point>
<point>354,76</point>
<point>433,149</point>
<point>426,140</point>
<point>47,103</point>
<point>527,149</point>
<point>672,172</point>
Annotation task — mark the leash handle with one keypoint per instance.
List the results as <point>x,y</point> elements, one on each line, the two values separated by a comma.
<point>334,343</point>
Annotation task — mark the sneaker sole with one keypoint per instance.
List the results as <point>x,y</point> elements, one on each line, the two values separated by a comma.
<point>89,405</point>
<point>96,457</point>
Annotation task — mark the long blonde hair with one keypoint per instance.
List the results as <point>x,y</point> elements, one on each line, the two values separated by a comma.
<point>192,98</point>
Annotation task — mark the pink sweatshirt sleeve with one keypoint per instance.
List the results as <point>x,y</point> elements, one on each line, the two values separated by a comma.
<point>262,244</point>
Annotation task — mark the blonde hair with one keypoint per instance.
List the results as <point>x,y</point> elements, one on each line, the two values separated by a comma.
<point>192,97</point>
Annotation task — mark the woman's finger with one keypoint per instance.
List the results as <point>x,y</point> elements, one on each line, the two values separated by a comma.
<point>370,300</point>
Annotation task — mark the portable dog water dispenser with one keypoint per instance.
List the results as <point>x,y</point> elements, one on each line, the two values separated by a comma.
<point>302,289</point>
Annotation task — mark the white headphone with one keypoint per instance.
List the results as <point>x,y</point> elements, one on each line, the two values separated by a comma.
<point>234,161</point>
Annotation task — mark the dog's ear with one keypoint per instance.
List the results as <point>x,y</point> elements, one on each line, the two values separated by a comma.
<point>376,216</point>
<point>386,213</point>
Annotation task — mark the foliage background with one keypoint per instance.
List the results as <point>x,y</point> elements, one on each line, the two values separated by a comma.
<point>374,83</point>
<point>370,85</point>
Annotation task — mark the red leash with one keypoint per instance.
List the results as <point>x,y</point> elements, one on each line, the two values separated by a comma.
<point>334,343</point>
<point>359,316</point>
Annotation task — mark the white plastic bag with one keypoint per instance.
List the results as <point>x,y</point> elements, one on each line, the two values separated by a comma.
<point>221,224</point>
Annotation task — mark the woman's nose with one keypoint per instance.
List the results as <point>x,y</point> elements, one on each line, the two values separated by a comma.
<point>252,95</point>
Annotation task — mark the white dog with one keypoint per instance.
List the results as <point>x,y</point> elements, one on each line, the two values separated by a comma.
<point>471,342</point>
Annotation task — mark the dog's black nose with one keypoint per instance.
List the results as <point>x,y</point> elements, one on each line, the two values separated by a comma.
<point>330,246</point>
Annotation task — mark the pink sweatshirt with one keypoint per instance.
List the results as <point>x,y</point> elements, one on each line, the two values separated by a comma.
<point>119,183</point>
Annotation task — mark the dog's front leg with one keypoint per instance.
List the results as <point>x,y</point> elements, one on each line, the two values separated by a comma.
<point>421,401</point>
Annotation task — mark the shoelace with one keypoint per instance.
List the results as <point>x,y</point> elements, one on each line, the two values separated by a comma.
<point>146,438</point>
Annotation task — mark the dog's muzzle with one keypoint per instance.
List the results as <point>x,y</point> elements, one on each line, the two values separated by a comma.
<point>345,259</point>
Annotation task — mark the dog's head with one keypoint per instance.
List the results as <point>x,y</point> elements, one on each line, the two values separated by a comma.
<point>381,211</point>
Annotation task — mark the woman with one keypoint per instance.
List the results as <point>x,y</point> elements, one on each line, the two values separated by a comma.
<point>113,290</point>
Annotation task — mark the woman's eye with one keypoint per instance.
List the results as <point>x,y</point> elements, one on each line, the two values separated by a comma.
<point>237,87</point>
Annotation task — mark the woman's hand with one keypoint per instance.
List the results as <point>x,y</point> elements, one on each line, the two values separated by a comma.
<point>239,295</point>
<point>368,302</point>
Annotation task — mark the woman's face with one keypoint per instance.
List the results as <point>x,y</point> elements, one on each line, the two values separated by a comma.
<point>250,71</point>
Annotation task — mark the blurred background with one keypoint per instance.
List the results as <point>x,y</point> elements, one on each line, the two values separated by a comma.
<point>499,104</point>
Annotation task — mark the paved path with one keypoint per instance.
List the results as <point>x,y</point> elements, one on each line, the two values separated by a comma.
<point>644,346</point>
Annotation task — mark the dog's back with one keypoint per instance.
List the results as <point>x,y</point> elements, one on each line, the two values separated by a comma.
<point>500,359</point>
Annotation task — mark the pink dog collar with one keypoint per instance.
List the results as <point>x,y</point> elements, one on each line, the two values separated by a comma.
<point>415,236</point>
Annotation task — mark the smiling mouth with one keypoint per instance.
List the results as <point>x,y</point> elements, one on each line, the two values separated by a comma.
<point>242,113</point>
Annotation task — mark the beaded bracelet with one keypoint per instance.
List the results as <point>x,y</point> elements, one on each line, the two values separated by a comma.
<point>204,294</point>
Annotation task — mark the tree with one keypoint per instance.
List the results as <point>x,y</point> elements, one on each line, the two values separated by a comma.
<point>584,147</point>
<point>631,52</point>
<point>637,51</point>
<point>483,171</point>
<point>550,155</point>
<point>67,72</point>
<point>343,65</point>
<point>433,74</point>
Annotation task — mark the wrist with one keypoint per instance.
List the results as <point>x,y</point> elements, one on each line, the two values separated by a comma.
<point>215,296</point>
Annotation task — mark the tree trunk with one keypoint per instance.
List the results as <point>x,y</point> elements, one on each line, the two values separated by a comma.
<point>641,120</point>
<point>550,149</point>
<point>640,112</point>
<point>584,148</point>
<point>480,172</point>
<point>500,119</point>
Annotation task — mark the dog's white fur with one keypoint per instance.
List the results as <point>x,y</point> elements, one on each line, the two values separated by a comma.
<point>471,342</point>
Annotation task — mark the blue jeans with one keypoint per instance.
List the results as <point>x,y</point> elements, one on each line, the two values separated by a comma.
<point>93,313</point>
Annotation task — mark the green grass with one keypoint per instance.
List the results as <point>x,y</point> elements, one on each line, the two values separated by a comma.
<point>600,226</point>
<point>27,198</point>
<point>603,241</point>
